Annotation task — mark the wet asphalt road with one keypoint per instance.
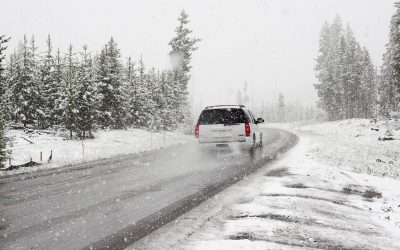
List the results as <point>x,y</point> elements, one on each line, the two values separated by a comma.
<point>112,203</point>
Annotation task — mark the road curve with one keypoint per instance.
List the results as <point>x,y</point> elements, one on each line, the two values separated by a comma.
<point>110,204</point>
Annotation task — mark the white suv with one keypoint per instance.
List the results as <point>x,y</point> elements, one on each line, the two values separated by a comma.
<point>226,125</point>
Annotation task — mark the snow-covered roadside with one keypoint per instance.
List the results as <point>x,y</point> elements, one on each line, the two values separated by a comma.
<point>358,145</point>
<point>302,200</point>
<point>65,152</point>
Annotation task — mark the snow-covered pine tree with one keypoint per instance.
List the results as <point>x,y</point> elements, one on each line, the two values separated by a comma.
<point>342,87</point>
<point>368,87</point>
<point>182,47</point>
<point>165,105</point>
<point>341,64</point>
<point>110,84</point>
<point>149,108</point>
<point>351,84</point>
<point>337,46</point>
<point>390,80</point>
<point>3,87</point>
<point>130,92</point>
<point>25,89</point>
<point>326,88</point>
<point>174,100</point>
<point>154,102</point>
<point>47,84</point>
<point>59,92</point>
<point>102,81</point>
<point>69,101</point>
<point>51,75</point>
<point>148,95</point>
<point>141,108</point>
<point>10,78</point>
<point>37,95</point>
<point>86,97</point>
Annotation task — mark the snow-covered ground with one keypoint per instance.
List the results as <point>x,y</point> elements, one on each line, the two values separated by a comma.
<point>358,145</point>
<point>65,152</point>
<point>328,192</point>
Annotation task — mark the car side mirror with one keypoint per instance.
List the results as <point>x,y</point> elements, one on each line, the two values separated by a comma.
<point>260,120</point>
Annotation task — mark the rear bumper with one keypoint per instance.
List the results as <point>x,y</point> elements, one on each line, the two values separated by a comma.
<point>248,142</point>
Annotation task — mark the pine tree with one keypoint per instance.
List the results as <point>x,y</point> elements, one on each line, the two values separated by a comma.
<point>368,89</point>
<point>182,47</point>
<point>345,73</point>
<point>130,86</point>
<point>110,83</point>
<point>175,100</point>
<point>25,89</point>
<point>59,89</point>
<point>352,56</point>
<point>51,86</point>
<point>165,102</point>
<point>69,101</point>
<point>141,108</point>
<point>327,68</point>
<point>102,82</point>
<point>154,102</point>
<point>390,80</point>
<point>3,87</point>
<point>387,90</point>
<point>10,77</point>
<point>85,99</point>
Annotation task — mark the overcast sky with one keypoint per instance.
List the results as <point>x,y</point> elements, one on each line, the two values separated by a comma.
<point>271,44</point>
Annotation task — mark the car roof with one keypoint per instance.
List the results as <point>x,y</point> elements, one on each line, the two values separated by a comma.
<point>225,107</point>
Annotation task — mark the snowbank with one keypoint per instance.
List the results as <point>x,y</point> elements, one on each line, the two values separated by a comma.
<point>65,152</point>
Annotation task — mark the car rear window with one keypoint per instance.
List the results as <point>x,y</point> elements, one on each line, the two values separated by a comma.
<point>222,116</point>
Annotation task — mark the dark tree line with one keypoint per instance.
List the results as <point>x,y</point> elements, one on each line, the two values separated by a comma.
<point>81,91</point>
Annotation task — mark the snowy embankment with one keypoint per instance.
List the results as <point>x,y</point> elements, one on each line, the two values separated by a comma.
<point>359,145</point>
<point>330,191</point>
<point>106,144</point>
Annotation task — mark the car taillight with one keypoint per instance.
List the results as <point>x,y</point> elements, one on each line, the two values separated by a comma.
<point>196,131</point>
<point>247,129</point>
